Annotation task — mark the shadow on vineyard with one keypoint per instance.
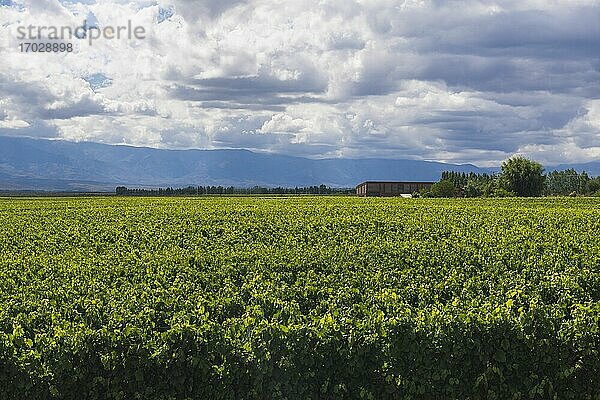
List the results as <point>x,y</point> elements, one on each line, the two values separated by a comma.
<point>299,298</point>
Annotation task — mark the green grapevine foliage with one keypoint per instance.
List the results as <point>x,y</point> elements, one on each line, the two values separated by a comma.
<point>299,298</point>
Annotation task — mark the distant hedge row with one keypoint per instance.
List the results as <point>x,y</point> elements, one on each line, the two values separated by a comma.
<point>302,298</point>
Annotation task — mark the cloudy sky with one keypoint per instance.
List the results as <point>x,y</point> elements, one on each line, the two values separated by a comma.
<point>456,81</point>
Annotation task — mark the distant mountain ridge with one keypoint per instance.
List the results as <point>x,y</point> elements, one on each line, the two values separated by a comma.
<point>38,164</point>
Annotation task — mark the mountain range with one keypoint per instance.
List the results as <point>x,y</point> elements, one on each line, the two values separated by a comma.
<point>58,165</point>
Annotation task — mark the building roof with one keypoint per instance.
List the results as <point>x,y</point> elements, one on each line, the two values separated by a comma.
<point>397,182</point>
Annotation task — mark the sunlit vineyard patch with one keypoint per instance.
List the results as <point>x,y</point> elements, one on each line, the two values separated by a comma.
<point>299,298</point>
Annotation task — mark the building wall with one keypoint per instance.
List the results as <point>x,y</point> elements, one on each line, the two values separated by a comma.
<point>390,188</point>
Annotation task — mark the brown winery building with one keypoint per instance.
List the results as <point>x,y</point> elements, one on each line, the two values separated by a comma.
<point>388,189</point>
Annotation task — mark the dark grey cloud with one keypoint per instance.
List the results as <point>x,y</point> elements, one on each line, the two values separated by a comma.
<point>33,101</point>
<point>82,108</point>
<point>510,50</point>
<point>250,93</point>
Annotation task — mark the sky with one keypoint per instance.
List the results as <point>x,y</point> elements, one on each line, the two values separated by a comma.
<point>454,81</point>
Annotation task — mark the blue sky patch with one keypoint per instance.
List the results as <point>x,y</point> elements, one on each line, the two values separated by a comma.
<point>98,81</point>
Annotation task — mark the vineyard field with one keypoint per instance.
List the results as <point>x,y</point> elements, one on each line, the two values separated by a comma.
<point>299,298</point>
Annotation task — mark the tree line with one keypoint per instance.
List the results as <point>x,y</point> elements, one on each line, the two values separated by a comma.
<point>519,176</point>
<point>230,190</point>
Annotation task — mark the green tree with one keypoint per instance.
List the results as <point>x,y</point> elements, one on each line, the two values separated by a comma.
<point>523,177</point>
<point>565,182</point>
<point>593,185</point>
<point>471,189</point>
<point>444,188</point>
